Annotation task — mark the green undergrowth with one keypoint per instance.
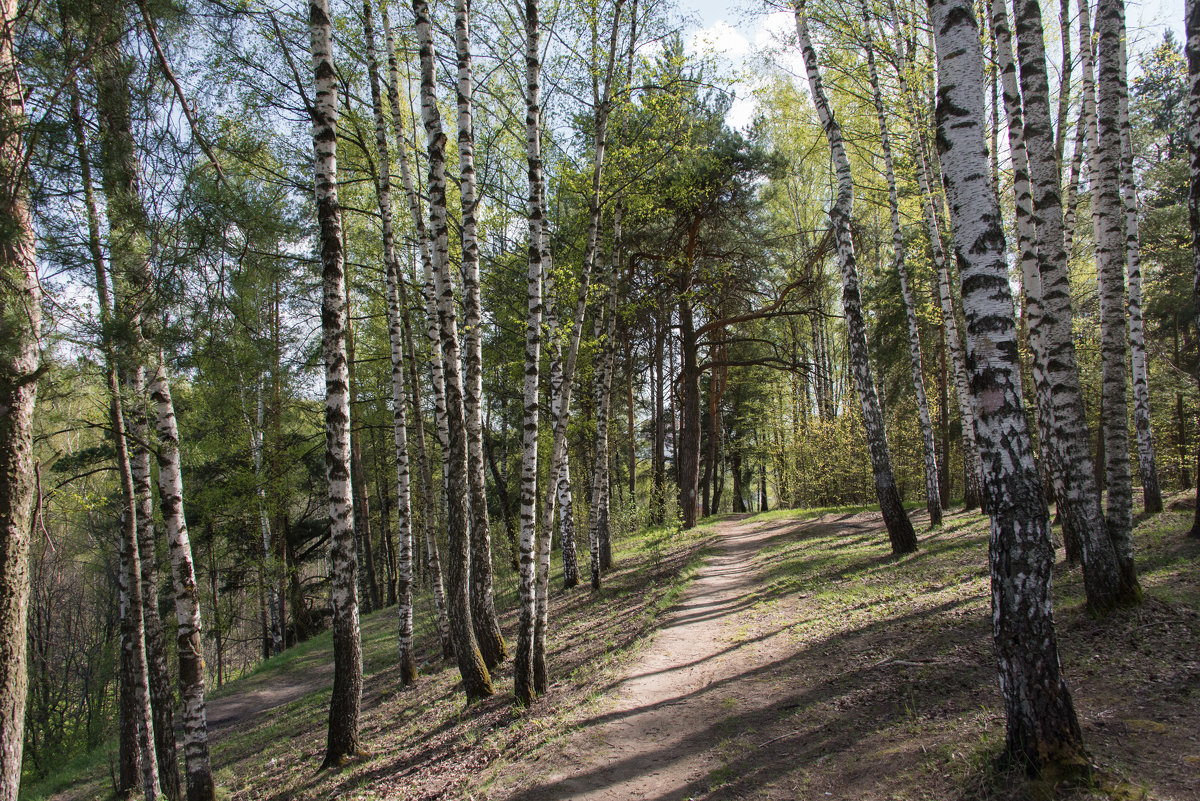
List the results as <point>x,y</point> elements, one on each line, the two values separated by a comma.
<point>427,728</point>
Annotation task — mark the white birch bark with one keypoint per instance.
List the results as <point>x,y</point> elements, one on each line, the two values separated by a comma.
<point>1147,464</point>
<point>433,562</point>
<point>932,494</point>
<point>476,681</point>
<point>344,705</point>
<point>1042,729</point>
<point>200,785</point>
<point>1027,256</point>
<point>523,678</point>
<point>1109,222</point>
<point>900,530</point>
<point>483,608</point>
<point>383,194</point>
<point>931,211</point>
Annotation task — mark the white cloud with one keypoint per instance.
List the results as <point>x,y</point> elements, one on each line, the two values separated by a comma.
<point>720,38</point>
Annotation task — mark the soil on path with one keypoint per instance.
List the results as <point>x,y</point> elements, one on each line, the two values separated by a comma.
<point>656,738</point>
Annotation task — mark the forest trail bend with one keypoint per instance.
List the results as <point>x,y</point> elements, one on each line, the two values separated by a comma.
<point>658,735</point>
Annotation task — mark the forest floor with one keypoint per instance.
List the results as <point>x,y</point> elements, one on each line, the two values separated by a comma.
<point>780,656</point>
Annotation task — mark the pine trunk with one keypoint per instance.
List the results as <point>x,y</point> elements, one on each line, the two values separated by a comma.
<point>900,530</point>
<point>344,704</point>
<point>1042,730</point>
<point>20,329</point>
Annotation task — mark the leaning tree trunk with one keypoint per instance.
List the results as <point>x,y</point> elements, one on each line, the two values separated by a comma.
<point>1193,58</point>
<point>383,193</point>
<point>1147,463</point>
<point>20,328</point>
<point>483,608</point>
<point>1042,730</point>
<point>476,681</point>
<point>418,221</point>
<point>932,495</point>
<point>1107,214</point>
<point>1080,503</point>
<point>523,672</point>
<point>200,785</point>
<point>900,530</point>
<point>344,704</point>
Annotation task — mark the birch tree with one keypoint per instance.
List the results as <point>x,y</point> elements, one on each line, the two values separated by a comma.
<point>190,647</point>
<point>900,530</point>
<point>523,670</point>
<point>1079,501</point>
<point>383,194</point>
<point>1107,214</point>
<point>1042,730</point>
<point>932,495</point>
<point>476,680</point>
<point>1147,462</point>
<point>483,609</point>
<point>433,561</point>
<point>342,742</point>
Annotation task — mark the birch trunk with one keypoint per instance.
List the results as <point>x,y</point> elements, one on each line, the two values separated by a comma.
<point>900,530</point>
<point>606,327</point>
<point>932,495</point>
<point>1042,730</point>
<point>433,563</point>
<point>476,681</point>
<point>1027,258</point>
<point>187,599</point>
<point>1192,28</point>
<point>972,491</point>
<point>383,193</point>
<point>1107,214</point>
<point>342,743</point>
<point>483,608</point>
<point>523,667</point>
<point>162,698</point>
<point>1080,504</point>
<point>566,524</point>
<point>1147,463</point>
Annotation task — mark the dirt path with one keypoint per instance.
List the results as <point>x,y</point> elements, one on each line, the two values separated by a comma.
<point>655,738</point>
<point>255,698</point>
